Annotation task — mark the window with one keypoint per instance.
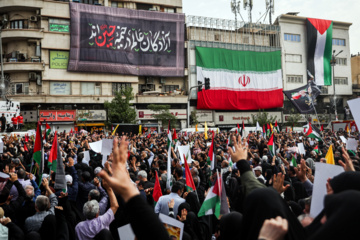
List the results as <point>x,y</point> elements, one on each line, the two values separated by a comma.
<point>217,37</point>
<point>246,39</point>
<point>90,88</point>
<point>338,42</point>
<point>146,87</point>
<point>341,61</point>
<point>296,58</point>
<point>292,37</point>
<point>168,10</point>
<point>294,78</point>
<point>341,81</point>
<point>117,4</point>
<point>21,88</point>
<point>19,24</point>
<point>143,6</point>
<point>324,90</point>
<point>171,88</point>
<point>116,87</point>
<point>59,25</point>
<point>60,88</point>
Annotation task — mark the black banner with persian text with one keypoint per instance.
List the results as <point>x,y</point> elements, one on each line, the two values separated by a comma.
<point>125,41</point>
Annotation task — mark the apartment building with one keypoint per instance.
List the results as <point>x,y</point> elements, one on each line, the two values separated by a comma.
<point>36,45</point>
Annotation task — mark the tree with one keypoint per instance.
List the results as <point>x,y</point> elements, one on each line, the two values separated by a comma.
<point>262,117</point>
<point>162,114</point>
<point>193,118</point>
<point>120,110</point>
<point>293,119</point>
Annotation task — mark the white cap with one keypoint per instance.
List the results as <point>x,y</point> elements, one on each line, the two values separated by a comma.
<point>97,170</point>
<point>68,179</point>
<point>47,176</point>
<point>258,168</point>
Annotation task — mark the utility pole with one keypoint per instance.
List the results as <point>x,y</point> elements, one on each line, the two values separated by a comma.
<point>333,63</point>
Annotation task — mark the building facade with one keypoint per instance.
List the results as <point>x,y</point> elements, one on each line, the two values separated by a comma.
<point>36,44</point>
<point>355,74</point>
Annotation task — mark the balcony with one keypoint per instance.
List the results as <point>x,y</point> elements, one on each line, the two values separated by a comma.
<point>23,66</point>
<point>10,5</point>
<point>9,34</point>
<point>157,97</point>
<point>356,87</point>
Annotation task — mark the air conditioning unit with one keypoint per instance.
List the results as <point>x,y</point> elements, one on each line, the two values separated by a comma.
<point>33,18</point>
<point>32,76</point>
<point>38,12</point>
<point>162,81</point>
<point>35,59</point>
<point>5,17</point>
<point>149,80</point>
<point>38,80</point>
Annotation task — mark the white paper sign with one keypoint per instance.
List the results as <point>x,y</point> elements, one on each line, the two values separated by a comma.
<point>184,150</point>
<point>323,171</point>
<point>172,224</point>
<point>96,146</point>
<point>106,149</point>
<point>312,143</point>
<point>86,158</point>
<point>354,105</point>
<point>301,148</point>
<point>343,139</point>
<point>126,232</point>
<point>352,144</point>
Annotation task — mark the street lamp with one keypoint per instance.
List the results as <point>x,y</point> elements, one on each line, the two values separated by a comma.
<point>333,63</point>
<point>2,83</point>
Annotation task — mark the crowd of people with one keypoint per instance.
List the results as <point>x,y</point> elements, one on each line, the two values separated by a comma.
<point>268,196</point>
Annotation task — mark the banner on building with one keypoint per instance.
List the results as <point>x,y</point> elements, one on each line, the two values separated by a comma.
<point>239,80</point>
<point>57,115</point>
<point>304,98</point>
<point>59,59</point>
<point>319,50</point>
<point>125,41</point>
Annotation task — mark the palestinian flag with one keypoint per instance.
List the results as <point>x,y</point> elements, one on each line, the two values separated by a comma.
<point>293,161</point>
<point>37,156</point>
<point>242,131</point>
<point>319,52</point>
<point>277,127</point>
<point>189,180</point>
<point>271,145</point>
<point>157,189</point>
<point>47,132</point>
<point>312,133</point>
<point>215,202</point>
<point>316,149</point>
<point>168,177</point>
<point>52,161</point>
<point>239,77</point>
<point>174,136</point>
<point>212,153</point>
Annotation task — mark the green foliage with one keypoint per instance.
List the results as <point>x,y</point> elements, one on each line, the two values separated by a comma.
<point>262,117</point>
<point>193,118</point>
<point>28,126</point>
<point>120,110</point>
<point>162,114</point>
<point>293,119</point>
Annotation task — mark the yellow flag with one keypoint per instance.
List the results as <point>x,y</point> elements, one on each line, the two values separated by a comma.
<point>113,133</point>
<point>140,129</point>
<point>206,130</point>
<point>196,130</point>
<point>330,156</point>
<point>272,128</point>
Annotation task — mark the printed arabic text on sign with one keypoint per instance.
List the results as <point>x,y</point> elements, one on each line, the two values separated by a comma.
<point>57,115</point>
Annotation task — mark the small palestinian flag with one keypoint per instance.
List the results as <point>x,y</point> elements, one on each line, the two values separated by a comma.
<point>47,132</point>
<point>319,52</point>
<point>271,145</point>
<point>277,127</point>
<point>316,149</point>
<point>313,133</point>
<point>212,153</point>
<point>293,161</point>
<point>189,180</point>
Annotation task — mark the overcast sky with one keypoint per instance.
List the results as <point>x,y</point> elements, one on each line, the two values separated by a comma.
<point>339,10</point>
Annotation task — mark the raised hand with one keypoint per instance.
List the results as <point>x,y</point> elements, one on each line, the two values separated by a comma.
<point>241,150</point>
<point>274,229</point>
<point>279,183</point>
<point>301,171</point>
<point>120,181</point>
<point>348,165</point>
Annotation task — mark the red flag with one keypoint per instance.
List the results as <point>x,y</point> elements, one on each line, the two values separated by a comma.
<point>188,176</point>
<point>174,136</point>
<point>238,127</point>
<point>26,138</point>
<point>322,128</point>
<point>211,153</point>
<point>71,131</point>
<point>25,148</point>
<point>157,189</point>
<point>53,150</point>
<point>236,131</point>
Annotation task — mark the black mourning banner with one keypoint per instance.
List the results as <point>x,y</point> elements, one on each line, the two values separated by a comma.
<point>125,41</point>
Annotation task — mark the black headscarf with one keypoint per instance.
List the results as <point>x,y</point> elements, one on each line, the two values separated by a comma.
<point>342,211</point>
<point>266,203</point>
<point>230,226</point>
<point>346,181</point>
<point>182,206</point>
<point>192,200</point>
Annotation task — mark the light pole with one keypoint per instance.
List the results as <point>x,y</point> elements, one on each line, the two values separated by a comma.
<point>333,63</point>
<point>2,83</point>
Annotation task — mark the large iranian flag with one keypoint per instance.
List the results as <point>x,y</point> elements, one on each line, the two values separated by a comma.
<point>239,80</point>
<point>319,40</point>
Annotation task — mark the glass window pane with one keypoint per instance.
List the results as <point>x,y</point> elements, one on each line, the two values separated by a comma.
<point>16,24</point>
<point>19,88</point>
<point>87,88</point>
<point>20,24</point>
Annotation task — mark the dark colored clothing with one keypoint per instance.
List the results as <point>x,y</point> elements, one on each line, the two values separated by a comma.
<point>11,209</point>
<point>148,184</point>
<point>15,233</point>
<point>74,188</point>
<point>83,192</point>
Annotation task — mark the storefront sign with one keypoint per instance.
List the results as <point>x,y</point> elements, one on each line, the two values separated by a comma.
<point>57,115</point>
<point>148,114</point>
<point>204,115</point>
<point>237,117</point>
<point>59,59</point>
<point>59,27</point>
<point>60,88</point>
<point>91,115</point>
